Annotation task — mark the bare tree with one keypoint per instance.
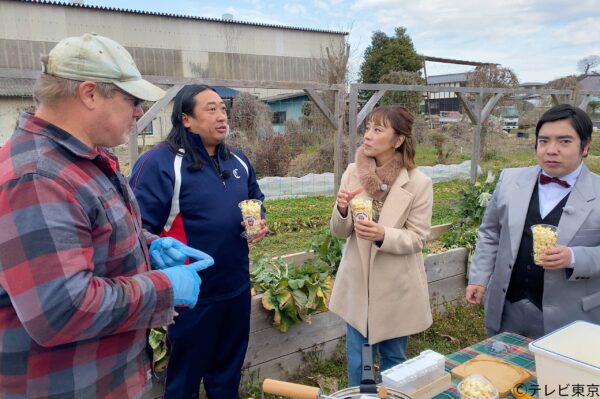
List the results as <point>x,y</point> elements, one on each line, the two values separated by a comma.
<point>492,75</point>
<point>585,65</point>
<point>250,116</point>
<point>565,83</point>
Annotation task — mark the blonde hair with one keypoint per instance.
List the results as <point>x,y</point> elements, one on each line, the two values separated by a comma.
<point>401,120</point>
<point>49,88</point>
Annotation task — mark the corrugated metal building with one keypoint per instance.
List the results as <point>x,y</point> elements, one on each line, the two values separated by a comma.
<point>163,45</point>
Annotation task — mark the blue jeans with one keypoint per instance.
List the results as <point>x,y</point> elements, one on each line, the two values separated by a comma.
<point>391,353</point>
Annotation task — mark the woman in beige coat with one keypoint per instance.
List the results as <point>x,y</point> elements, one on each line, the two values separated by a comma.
<point>381,287</point>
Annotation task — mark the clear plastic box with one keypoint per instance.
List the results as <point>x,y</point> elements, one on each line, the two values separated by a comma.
<point>401,378</point>
<point>438,360</point>
<point>416,372</point>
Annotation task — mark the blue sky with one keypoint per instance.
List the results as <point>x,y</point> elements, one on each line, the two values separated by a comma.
<point>539,39</point>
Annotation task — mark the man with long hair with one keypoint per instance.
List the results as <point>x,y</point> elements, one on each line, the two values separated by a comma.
<point>189,188</point>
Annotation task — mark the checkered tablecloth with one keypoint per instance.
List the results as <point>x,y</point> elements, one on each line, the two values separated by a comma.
<point>510,347</point>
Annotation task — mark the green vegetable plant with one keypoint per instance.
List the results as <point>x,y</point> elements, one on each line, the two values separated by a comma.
<point>328,249</point>
<point>292,292</point>
<point>471,206</point>
<point>160,355</point>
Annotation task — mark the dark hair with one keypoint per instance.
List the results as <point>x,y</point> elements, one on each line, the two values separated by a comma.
<point>401,120</point>
<point>580,121</point>
<point>178,138</point>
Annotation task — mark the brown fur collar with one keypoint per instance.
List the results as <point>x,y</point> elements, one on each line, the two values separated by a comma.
<point>372,176</point>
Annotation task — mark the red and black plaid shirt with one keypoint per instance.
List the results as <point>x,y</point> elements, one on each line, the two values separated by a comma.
<point>76,291</point>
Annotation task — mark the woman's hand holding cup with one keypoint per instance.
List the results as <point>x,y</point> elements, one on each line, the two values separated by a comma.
<point>343,199</point>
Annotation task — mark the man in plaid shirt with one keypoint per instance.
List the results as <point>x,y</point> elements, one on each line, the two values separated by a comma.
<point>77,294</point>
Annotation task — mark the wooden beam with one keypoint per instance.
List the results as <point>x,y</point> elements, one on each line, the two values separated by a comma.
<point>585,101</point>
<point>467,107</point>
<point>263,84</point>
<point>369,106</point>
<point>454,89</point>
<point>438,230</point>
<point>487,110</point>
<point>146,119</point>
<point>352,125</point>
<point>157,107</point>
<point>318,101</point>
<point>476,138</point>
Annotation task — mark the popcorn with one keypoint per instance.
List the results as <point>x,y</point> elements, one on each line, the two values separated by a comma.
<point>544,237</point>
<point>477,386</point>
<point>251,215</point>
<point>362,208</point>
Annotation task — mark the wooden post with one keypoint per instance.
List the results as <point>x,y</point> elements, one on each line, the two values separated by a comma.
<point>352,126</point>
<point>585,101</point>
<point>338,166</point>
<point>476,137</point>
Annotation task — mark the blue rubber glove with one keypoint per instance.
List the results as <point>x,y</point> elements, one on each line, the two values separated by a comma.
<point>168,252</point>
<point>186,282</point>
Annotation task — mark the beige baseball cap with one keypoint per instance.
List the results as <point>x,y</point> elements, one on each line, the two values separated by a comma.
<point>99,59</point>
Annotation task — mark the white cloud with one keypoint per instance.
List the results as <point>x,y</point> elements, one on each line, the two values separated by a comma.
<point>579,32</point>
<point>295,8</point>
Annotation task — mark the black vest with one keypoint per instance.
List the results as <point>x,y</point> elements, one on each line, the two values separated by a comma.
<point>527,279</point>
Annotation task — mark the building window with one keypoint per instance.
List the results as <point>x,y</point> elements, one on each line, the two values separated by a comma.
<point>148,130</point>
<point>278,117</point>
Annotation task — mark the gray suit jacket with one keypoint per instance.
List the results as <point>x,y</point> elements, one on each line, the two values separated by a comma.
<point>569,294</point>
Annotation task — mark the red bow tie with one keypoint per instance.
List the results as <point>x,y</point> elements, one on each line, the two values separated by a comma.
<point>547,179</point>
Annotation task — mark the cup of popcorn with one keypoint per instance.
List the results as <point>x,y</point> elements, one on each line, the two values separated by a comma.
<point>476,386</point>
<point>544,237</point>
<point>362,209</point>
<point>251,216</point>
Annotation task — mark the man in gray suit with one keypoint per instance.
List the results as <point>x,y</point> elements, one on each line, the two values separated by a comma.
<point>523,297</point>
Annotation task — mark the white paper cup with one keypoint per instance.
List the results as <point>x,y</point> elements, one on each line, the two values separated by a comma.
<point>251,215</point>
<point>362,209</point>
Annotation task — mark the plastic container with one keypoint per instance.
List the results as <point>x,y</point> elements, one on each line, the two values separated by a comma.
<point>544,237</point>
<point>415,373</point>
<point>569,355</point>
<point>438,362</point>
<point>401,378</point>
<point>476,386</point>
<point>423,369</point>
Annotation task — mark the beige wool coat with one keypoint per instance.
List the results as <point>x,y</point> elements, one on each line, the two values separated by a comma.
<point>383,290</point>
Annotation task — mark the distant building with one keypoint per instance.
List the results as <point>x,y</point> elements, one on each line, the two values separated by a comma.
<point>163,46</point>
<point>534,99</point>
<point>287,106</point>
<point>445,101</point>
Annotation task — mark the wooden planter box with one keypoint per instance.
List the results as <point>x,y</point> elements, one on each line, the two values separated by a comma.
<point>276,355</point>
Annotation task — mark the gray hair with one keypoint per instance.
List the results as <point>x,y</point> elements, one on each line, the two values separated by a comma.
<point>49,88</point>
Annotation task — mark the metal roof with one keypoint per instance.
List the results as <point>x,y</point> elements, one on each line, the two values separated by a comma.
<point>283,96</point>
<point>160,14</point>
<point>16,87</point>
<point>448,78</point>
<point>23,87</point>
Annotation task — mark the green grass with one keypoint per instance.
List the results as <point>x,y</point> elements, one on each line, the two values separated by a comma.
<point>294,221</point>
<point>427,156</point>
